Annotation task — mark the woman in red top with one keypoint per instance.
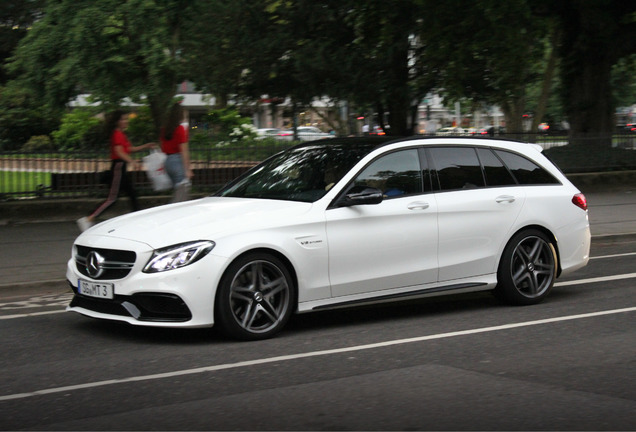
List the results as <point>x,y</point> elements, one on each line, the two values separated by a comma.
<point>174,143</point>
<point>120,150</point>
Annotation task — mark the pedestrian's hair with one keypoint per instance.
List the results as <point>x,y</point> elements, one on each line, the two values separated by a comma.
<point>112,120</point>
<point>172,121</point>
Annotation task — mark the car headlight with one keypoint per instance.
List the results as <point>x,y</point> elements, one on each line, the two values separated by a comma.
<point>177,256</point>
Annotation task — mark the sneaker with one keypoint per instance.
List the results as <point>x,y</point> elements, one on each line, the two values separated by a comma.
<point>84,224</point>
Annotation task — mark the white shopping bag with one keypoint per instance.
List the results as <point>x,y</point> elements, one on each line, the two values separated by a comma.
<point>156,172</point>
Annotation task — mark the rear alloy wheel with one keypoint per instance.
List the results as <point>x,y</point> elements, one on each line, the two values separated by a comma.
<point>255,298</point>
<point>528,268</point>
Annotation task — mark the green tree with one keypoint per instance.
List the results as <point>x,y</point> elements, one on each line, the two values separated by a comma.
<point>230,39</point>
<point>16,16</point>
<point>113,49</point>
<point>22,116</point>
<point>485,50</point>
<point>596,35</point>
<point>80,128</point>
<point>361,53</point>
<point>624,81</point>
<point>389,73</point>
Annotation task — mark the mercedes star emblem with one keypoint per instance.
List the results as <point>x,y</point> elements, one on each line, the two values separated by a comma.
<point>94,262</point>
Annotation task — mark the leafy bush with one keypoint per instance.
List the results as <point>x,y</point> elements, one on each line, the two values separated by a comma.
<point>205,146</point>
<point>22,115</point>
<point>80,129</point>
<point>226,121</point>
<point>200,138</point>
<point>39,143</point>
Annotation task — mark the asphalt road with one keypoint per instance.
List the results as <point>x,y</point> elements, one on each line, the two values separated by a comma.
<point>448,363</point>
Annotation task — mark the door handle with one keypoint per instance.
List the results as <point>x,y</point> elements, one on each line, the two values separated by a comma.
<point>505,198</point>
<point>418,205</point>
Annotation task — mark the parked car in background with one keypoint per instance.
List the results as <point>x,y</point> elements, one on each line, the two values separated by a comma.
<point>490,130</point>
<point>267,133</point>
<point>339,223</point>
<point>451,131</point>
<point>305,133</point>
<point>377,130</point>
<point>630,127</point>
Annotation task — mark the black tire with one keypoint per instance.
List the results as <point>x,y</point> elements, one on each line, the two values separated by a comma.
<point>255,297</point>
<point>527,269</point>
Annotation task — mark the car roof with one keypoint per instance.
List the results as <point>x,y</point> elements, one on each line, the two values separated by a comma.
<point>372,142</point>
<point>375,141</point>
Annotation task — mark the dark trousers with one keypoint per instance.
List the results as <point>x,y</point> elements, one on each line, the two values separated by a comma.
<point>120,180</point>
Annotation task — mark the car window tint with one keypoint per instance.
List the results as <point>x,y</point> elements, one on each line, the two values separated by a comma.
<point>304,173</point>
<point>395,174</point>
<point>457,168</point>
<point>494,170</point>
<point>525,171</point>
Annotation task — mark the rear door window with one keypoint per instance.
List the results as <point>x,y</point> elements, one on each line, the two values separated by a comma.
<point>457,168</point>
<point>395,174</point>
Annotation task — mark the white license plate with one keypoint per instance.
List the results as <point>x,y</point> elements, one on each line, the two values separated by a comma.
<point>99,290</point>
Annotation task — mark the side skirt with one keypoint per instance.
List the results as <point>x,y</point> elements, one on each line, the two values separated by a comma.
<point>424,292</point>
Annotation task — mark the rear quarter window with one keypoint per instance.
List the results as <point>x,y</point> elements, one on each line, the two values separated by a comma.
<point>495,171</point>
<point>525,171</point>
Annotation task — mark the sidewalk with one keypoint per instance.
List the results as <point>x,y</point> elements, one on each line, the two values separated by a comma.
<point>34,251</point>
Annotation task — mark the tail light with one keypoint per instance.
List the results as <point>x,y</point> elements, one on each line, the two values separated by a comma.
<point>579,200</point>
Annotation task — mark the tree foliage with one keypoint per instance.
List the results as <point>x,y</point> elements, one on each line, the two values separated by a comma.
<point>624,81</point>
<point>595,36</point>
<point>367,57</point>
<point>80,128</point>
<point>22,115</point>
<point>16,16</point>
<point>113,49</point>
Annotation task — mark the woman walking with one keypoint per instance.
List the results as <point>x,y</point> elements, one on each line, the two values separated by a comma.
<point>120,155</point>
<point>174,143</point>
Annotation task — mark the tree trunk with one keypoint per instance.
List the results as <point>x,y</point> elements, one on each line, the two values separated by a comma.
<point>158,105</point>
<point>398,99</point>
<point>513,113</point>
<point>588,98</point>
<point>546,85</point>
<point>594,36</point>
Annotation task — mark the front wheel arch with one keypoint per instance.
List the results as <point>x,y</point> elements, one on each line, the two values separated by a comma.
<point>223,318</point>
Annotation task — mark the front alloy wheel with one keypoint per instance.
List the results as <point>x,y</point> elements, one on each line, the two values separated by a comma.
<point>528,268</point>
<point>256,297</point>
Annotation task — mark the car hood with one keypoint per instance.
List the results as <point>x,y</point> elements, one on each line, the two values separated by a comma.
<point>203,219</point>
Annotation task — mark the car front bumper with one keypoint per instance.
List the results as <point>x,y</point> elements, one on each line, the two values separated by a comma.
<point>177,298</point>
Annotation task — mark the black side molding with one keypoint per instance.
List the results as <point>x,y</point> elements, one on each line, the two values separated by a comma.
<point>417,293</point>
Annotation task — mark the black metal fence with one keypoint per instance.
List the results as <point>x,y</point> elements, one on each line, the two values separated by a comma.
<point>74,174</point>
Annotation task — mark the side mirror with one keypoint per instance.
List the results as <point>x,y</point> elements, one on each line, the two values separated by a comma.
<point>361,195</point>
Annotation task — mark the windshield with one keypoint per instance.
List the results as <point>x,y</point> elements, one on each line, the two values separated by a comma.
<point>304,173</point>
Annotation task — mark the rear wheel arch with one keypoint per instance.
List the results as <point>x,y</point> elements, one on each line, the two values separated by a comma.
<point>550,236</point>
<point>528,267</point>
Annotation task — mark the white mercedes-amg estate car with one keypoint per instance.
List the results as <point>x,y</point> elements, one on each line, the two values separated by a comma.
<point>336,223</point>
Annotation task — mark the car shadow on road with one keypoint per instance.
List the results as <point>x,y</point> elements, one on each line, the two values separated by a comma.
<point>393,311</point>
<point>125,333</point>
<point>316,323</point>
